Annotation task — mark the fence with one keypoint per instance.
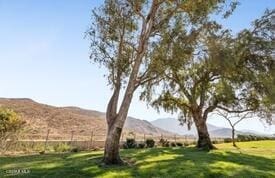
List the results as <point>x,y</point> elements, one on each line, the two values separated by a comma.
<point>35,143</point>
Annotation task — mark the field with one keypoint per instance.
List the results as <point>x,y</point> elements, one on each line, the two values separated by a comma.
<point>251,159</point>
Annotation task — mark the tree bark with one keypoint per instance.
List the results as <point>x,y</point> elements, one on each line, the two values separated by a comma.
<point>233,137</point>
<point>111,151</point>
<point>116,119</point>
<point>204,141</point>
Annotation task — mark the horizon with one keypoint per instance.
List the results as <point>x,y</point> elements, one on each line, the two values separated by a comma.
<point>156,119</point>
<point>45,56</point>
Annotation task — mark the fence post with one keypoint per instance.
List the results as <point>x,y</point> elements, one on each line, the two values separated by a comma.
<point>175,138</point>
<point>91,140</point>
<point>72,136</point>
<point>46,141</point>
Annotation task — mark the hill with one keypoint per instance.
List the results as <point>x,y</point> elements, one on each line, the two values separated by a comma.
<point>63,120</point>
<point>173,125</point>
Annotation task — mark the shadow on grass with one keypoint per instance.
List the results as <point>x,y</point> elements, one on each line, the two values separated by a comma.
<point>157,162</point>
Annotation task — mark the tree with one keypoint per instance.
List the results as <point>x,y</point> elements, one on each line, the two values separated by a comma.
<point>10,125</point>
<point>233,120</point>
<point>216,71</point>
<point>123,36</point>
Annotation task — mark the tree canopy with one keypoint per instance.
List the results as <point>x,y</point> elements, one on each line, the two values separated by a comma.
<point>124,37</point>
<point>207,68</point>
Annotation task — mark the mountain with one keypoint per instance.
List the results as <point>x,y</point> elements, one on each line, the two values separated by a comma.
<point>63,120</point>
<point>173,125</point>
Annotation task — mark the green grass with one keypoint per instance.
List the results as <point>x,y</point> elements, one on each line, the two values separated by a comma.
<point>252,159</point>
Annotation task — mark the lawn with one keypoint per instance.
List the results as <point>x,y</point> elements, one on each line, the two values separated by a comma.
<point>251,159</point>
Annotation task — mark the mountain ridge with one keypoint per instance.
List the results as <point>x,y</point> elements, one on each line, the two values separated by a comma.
<point>63,120</point>
<point>214,131</point>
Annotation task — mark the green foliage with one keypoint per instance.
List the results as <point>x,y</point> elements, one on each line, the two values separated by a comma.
<point>227,140</point>
<point>164,142</point>
<point>118,26</point>
<point>9,121</point>
<point>209,68</point>
<point>75,150</point>
<point>173,144</point>
<point>141,145</point>
<point>186,144</point>
<point>244,138</point>
<point>130,143</point>
<point>10,126</point>
<point>61,147</point>
<point>150,143</point>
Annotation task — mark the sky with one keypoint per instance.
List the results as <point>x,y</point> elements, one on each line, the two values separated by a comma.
<point>44,55</point>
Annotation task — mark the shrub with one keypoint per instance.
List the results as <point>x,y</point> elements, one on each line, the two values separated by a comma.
<point>179,144</point>
<point>150,143</point>
<point>61,147</point>
<point>242,138</point>
<point>164,143</point>
<point>10,126</point>
<point>141,145</point>
<point>227,140</point>
<point>130,143</point>
<point>186,144</point>
<point>173,144</point>
<point>214,142</point>
<point>75,150</point>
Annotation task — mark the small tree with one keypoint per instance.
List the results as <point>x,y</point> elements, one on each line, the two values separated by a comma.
<point>233,119</point>
<point>10,125</point>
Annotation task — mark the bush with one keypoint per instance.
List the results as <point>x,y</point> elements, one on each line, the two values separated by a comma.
<point>61,147</point>
<point>243,138</point>
<point>164,143</point>
<point>75,150</point>
<point>179,144</point>
<point>150,143</point>
<point>215,142</point>
<point>10,126</point>
<point>130,143</point>
<point>227,140</point>
<point>173,144</point>
<point>141,145</point>
<point>186,144</point>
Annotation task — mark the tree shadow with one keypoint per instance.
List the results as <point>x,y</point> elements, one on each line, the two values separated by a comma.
<point>156,162</point>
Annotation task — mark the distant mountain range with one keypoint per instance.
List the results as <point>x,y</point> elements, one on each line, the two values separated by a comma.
<point>173,125</point>
<point>63,120</point>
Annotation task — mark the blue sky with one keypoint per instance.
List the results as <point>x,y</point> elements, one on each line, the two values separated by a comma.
<point>44,56</point>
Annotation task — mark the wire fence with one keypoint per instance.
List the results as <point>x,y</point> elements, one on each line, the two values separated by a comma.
<point>93,141</point>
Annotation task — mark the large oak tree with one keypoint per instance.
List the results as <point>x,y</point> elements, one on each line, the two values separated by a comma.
<point>207,68</point>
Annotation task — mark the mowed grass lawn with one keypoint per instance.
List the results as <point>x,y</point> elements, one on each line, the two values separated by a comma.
<point>252,159</point>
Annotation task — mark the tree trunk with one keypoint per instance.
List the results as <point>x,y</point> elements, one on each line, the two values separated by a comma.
<point>233,137</point>
<point>116,119</point>
<point>204,141</point>
<point>111,151</point>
